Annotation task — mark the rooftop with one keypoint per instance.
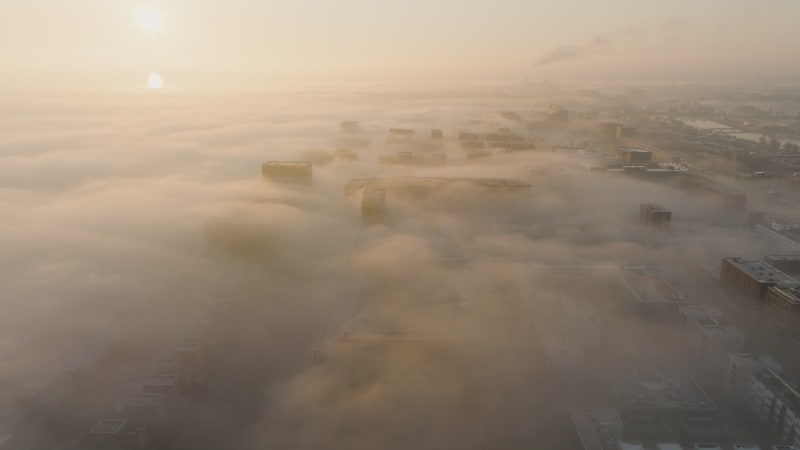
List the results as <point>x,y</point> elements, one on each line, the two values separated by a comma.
<point>108,426</point>
<point>597,428</point>
<point>783,257</point>
<point>660,389</point>
<point>142,400</point>
<point>790,294</point>
<point>763,272</point>
<point>782,388</point>
<point>288,163</point>
<point>649,289</point>
<point>159,380</point>
<point>710,327</point>
<point>756,360</point>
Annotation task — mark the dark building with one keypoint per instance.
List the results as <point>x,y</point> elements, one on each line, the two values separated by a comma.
<point>655,215</point>
<point>634,155</point>
<point>297,171</point>
<point>752,278</point>
<point>436,134</point>
<point>400,134</point>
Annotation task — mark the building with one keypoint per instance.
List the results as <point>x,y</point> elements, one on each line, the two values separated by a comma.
<point>752,278</point>
<point>782,308</point>
<point>634,155</point>
<point>597,428</point>
<point>776,403</point>
<point>626,132</point>
<point>664,406</point>
<point>427,185</point>
<point>437,134</point>
<point>757,383</point>
<point>714,342</point>
<point>373,204</point>
<point>564,358</point>
<point>150,412</point>
<point>691,315</point>
<point>400,135</point>
<point>287,171</point>
<point>656,299</point>
<point>741,368</point>
<point>117,434</point>
<point>728,196</point>
<point>655,215</point>
<point>782,232</point>
<point>789,264</point>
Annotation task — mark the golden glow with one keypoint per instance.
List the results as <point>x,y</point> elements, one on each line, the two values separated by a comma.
<point>149,19</point>
<point>154,81</point>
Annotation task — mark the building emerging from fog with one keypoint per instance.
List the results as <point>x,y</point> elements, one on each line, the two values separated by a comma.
<point>752,278</point>
<point>655,215</point>
<point>664,406</point>
<point>757,383</point>
<point>635,155</point>
<point>287,171</point>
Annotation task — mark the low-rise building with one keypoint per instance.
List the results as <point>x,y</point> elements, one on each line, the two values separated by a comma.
<point>782,308</point>
<point>291,171</point>
<point>655,215</point>
<point>664,406</point>
<point>635,155</point>
<point>752,278</point>
<point>789,264</point>
<point>373,204</point>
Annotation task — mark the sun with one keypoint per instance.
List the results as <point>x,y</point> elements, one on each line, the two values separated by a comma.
<point>149,19</point>
<point>154,81</point>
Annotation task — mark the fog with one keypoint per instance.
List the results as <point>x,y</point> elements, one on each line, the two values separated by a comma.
<point>461,254</point>
<point>128,219</point>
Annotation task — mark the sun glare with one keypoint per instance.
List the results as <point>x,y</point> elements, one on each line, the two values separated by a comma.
<point>149,19</point>
<point>154,81</point>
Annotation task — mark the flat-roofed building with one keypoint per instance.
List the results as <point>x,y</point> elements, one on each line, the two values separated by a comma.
<point>287,171</point>
<point>635,155</point>
<point>597,428</point>
<point>741,368</point>
<point>117,434</point>
<point>714,342</point>
<point>400,135</point>
<point>664,405</point>
<point>789,264</point>
<point>373,204</point>
<point>782,308</point>
<point>752,278</point>
<point>655,215</point>
<point>656,299</point>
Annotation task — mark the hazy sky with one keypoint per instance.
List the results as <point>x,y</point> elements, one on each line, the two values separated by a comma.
<point>95,42</point>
